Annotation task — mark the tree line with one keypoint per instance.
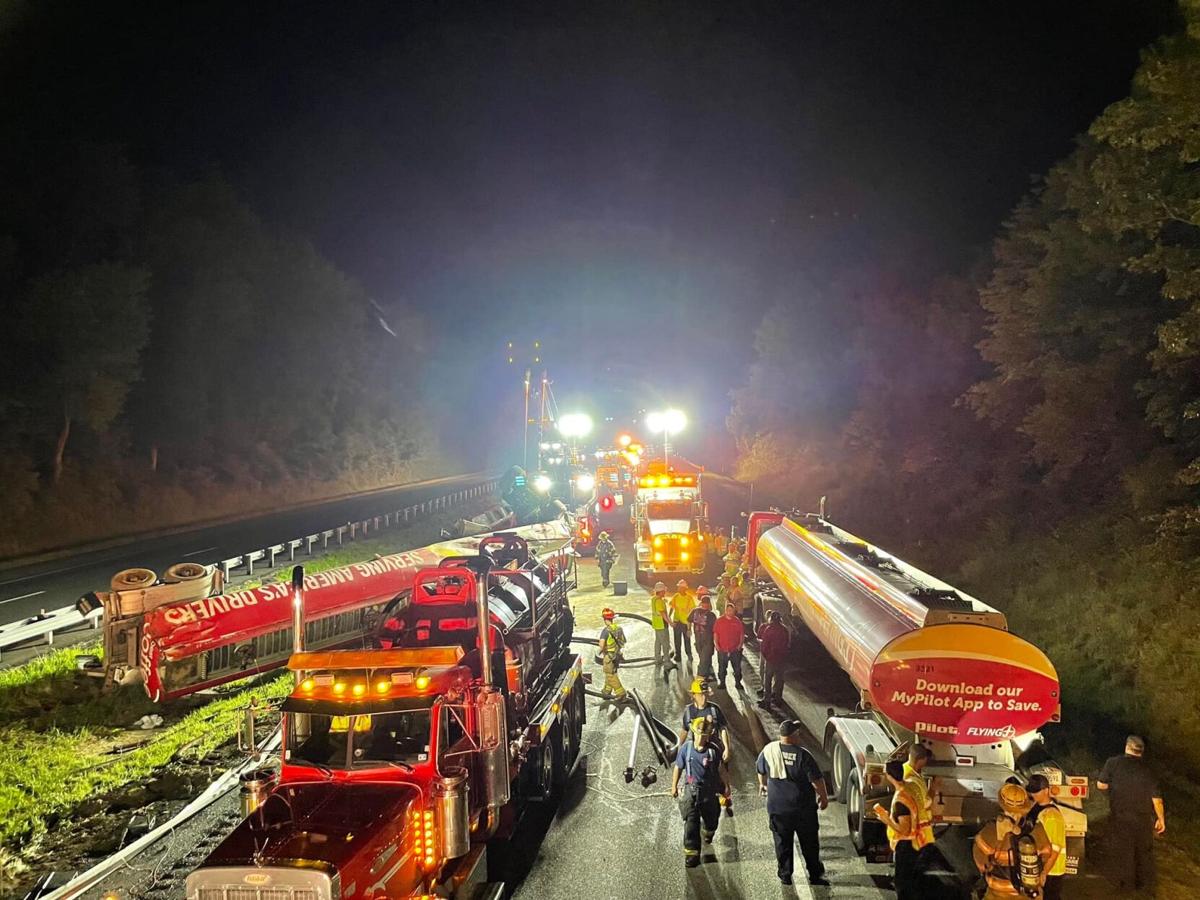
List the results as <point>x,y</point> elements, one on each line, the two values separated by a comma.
<point>169,355</point>
<point>1030,426</point>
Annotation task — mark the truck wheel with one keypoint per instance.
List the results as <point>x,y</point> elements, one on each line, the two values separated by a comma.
<point>854,812</point>
<point>566,730</point>
<point>842,764</point>
<point>864,833</point>
<point>549,766</point>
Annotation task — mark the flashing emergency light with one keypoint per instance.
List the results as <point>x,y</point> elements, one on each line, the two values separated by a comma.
<point>624,440</point>
<point>422,682</point>
<point>606,502</point>
<point>519,481</point>
<point>585,482</point>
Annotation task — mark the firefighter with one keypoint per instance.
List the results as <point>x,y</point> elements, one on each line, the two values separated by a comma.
<point>682,604</point>
<point>660,619</point>
<point>724,590</point>
<point>606,556</point>
<point>1046,813</point>
<point>1013,853</point>
<point>698,766</point>
<point>733,559</point>
<point>702,619</point>
<point>612,642</point>
<point>794,786</point>
<point>702,707</point>
<point>909,824</point>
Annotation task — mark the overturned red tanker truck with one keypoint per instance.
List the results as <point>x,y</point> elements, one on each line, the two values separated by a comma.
<point>933,666</point>
<point>185,632</point>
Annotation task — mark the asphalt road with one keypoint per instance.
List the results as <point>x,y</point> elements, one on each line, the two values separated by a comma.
<point>24,590</point>
<point>616,840</point>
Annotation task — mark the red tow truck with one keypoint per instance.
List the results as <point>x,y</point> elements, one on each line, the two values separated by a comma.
<point>400,764</point>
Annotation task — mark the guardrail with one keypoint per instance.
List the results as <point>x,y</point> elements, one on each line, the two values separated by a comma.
<point>46,623</point>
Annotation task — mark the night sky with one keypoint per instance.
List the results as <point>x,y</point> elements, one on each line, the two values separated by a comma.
<point>624,176</point>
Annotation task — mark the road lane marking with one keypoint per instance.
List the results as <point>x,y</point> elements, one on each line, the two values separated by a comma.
<point>23,597</point>
<point>198,552</point>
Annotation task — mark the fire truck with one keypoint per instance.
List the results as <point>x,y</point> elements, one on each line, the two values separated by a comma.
<point>933,665</point>
<point>183,633</point>
<point>401,764</point>
<point>670,523</point>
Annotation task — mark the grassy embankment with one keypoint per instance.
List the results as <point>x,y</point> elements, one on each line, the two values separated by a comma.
<point>64,744</point>
<point>1120,625</point>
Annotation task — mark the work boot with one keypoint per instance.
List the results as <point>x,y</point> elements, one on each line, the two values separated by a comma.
<point>691,860</point>
<point>764,704</point>
<point>708,836</point>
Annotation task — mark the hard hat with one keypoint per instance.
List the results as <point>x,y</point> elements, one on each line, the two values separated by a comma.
<point>682,582</point>
<point>702,726</point>
<point>608,614</point>
<point>705,600</point>
<point>702,591</point>
<point>604,535</point>
<point>698,686</point>
<point>1014,800</point>
<point>659,586</point>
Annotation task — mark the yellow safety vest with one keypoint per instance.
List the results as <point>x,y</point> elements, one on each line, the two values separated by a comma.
<point>916,798</point>
<point>1052,821</point>
<point>682,605</point>
<point>658,612</point>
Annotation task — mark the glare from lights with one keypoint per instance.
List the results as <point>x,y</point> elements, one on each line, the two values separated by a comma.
<point>671,421</point>
<point>585,482</point>
<point>575,425</point>
<point>624,440</point>
<point>542,484</point>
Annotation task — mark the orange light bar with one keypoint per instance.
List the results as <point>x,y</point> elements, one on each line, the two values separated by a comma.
<point>407,658</point>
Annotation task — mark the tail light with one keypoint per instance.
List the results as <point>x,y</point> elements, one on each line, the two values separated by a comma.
<point>606,502</point>
<point>1075,788</point>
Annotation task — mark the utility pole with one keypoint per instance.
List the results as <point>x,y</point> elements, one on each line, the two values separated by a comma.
<point>525,451</point>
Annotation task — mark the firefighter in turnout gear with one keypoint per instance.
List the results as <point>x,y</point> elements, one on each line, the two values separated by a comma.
<point>697,782</point>
<point>612,642</point>
<point>1013,852</point>
<point>606,556</point>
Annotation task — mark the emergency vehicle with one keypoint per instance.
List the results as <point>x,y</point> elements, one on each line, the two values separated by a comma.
<point>933,666</point>
<point>400,764</point>
<point>670,521</point>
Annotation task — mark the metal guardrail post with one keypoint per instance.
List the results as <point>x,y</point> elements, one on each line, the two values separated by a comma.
<point>353,531</point>
<point>341,531</point>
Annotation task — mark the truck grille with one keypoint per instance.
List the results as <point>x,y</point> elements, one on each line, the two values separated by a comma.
<point>246,892</point>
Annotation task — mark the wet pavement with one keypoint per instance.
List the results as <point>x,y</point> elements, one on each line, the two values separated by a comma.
<point>616,840</point>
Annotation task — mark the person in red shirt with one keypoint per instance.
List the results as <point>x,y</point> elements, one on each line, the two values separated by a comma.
<point>729,635</point>
<point>773,641</point>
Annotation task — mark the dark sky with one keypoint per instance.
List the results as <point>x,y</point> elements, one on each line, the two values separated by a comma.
<point>618,173</point>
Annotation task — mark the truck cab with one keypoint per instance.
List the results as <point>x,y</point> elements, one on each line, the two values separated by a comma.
<point>671,526</point>
<point>399,763</point>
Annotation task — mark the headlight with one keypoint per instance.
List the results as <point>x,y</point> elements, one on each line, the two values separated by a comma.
<point>683,541</point>
<point>683,556</point>
<point>542,484</point>
<point>585,482</point>
<point>658,557</point>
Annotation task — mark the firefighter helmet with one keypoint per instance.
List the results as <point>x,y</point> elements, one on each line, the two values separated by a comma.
<point>702,591</point>
<point>702,726</point>
<point>699,686</point>
<point>659,586</point>
<point>608,614</point>
<point>604,535</point>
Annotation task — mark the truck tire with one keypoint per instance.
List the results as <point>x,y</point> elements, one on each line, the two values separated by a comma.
<point>854,812</point>
<point>550,766</point>
<point>566,730</point>
<point>842,764</point>
<point>864,833</point>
